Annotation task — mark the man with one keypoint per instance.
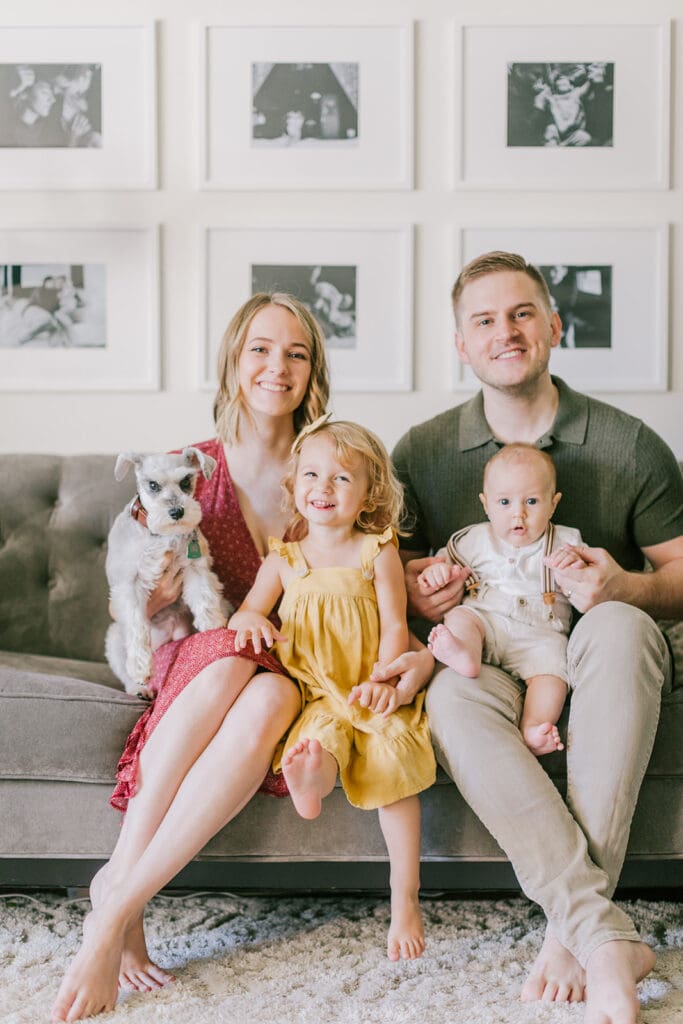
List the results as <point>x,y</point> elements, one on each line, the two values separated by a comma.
<point>623,490</point>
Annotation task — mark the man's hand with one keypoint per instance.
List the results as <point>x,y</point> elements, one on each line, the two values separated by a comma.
<point>433,605</point>
<point>381,698</point>
<point>414,670</point>
<point>255,628</point>
<point>587,576</point>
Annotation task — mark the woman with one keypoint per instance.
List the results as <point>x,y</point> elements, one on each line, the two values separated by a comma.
<point>273,381</point>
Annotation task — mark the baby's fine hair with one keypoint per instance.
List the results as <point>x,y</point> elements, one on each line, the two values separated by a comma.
<point>520,452</point>
<point>383,505</point>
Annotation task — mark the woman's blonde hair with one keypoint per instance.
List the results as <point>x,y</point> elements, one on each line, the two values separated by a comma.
<point>383,504</point>
<point>229,405</point>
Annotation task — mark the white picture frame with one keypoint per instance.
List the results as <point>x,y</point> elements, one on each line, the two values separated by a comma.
<point>379,357</point>
<point>117,149</point>
<point>636,357</point>
<point>99,328</point>
<point>251,73</point>
<point>613,136</point>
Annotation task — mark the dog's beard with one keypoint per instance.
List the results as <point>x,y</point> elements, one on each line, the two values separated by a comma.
<point>159,521</point>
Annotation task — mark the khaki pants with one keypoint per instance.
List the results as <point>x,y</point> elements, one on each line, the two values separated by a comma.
<point>567,857</point>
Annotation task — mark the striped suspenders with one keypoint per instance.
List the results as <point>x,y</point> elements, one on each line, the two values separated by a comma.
<point>472,583</point>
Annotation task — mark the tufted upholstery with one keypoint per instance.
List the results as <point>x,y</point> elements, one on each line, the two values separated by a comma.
<point>64,719</point>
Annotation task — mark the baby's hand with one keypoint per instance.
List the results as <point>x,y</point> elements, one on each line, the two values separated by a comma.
<point>381,698</point>
<point>254,628</point>
<point>434,577</point>
<point>566,557</point>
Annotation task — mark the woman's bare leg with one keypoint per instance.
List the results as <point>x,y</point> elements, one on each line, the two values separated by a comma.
<point>181,735</point>
<point>401,828</point>
<point>213,791</point>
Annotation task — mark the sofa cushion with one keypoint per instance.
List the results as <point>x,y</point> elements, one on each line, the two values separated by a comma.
<point>61,720</point>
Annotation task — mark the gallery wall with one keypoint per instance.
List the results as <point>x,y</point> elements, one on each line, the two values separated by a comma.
<point>386,205</point>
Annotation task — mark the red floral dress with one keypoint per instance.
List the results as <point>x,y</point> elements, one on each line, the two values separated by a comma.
<point>236,562</point>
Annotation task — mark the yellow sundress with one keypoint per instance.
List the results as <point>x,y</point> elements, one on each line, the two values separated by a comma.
<point>331,621</point>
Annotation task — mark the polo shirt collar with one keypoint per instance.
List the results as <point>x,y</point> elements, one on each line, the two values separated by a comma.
<point>571,421</point>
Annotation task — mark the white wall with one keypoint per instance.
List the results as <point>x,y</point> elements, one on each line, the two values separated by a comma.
<point>180,412</point>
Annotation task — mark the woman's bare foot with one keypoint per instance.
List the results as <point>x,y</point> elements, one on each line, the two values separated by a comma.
<point>453,652</point>
<point>301,767</point>
<point>542,738</point>
<point>90,985</point>
<point>612,973</point>
<point>137,972</point>
<point>556,976</point>
<point>406,939</point>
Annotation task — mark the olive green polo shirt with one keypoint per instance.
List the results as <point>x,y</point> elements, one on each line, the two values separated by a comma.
<point>621,485</point>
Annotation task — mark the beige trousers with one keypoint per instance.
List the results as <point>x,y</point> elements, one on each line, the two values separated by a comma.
<point>567,857</point>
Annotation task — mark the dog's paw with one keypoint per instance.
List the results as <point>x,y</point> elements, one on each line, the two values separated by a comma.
<point>214,620</point>
<point>140,690</point>
<point>139,666</point>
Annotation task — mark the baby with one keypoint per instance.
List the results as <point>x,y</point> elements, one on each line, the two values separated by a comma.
<point>511,616</point>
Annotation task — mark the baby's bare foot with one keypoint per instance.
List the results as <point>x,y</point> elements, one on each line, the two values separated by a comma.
<point>406,939</point>
<point>543,738</point>
<point>612,972</point>
<point>556,976</point>
<point>301,767</point>
<point>453,652</point>
<point>90,985</point>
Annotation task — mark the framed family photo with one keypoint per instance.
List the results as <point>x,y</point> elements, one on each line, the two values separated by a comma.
<point>358,283</point>
<point>610,288</point>
<point>563,106</point>
<point>79,310</point>
<point>78,107</point>
<point>303,106</point>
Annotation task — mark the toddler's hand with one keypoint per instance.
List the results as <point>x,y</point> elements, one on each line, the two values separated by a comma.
<point>381,698</point>
<point>250,627</point>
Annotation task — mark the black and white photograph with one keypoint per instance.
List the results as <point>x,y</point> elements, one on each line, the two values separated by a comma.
<point>50,106</point>
<point>612,339</point>
<point>582,296</point>
<point>560,104</point>
<point>328,291</point>
<point>304,104</point>
<point>52,305</point>
<point>563,107</point>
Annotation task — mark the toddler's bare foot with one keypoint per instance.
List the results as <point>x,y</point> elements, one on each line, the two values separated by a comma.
<point>556,976</point>
<point>612,972</point>
<point>137,972</point>
<point>301,767</point>
<point>90,985</point>
<point>406,939</point>
<point>453,652</point>
<point>543,738</point>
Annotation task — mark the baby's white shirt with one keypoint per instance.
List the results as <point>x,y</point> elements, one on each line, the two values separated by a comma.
<point>512,570</point>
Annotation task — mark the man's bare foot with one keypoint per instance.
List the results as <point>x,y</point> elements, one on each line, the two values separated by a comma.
<point>90,985</point>
<point>406,939</point>
<point>138,973</point>
<point>556,976</point>
<point>453,652</point>
<point>612,973</point>
<point>301,767</point>
<point>543,738</point>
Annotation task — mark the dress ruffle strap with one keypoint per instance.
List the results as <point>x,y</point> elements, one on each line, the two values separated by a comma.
<point>372,545</point>
<point>292,554</point>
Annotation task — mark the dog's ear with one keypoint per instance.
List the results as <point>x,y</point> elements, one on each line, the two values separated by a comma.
<point>195,456</point>
<point>124,462</point>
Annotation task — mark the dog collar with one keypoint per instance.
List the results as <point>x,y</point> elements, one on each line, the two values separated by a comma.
<point>139,512</point>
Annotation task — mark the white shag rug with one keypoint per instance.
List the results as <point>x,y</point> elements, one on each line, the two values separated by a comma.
<point>283,960</point>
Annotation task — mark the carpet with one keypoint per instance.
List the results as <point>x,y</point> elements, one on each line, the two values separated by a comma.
<point>286,960</point>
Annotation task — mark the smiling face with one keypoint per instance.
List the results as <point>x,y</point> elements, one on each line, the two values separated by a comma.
<point>519,498</point>
<point>328,492</point>
<point>274,364</point>
<point>506,331</point>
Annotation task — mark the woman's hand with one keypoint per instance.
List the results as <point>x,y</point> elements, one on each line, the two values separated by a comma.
<point>169,586</point>
<point>254,628</point>
<point>381,698</point>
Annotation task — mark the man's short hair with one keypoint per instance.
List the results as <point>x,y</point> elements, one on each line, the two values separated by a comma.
<point>495,263</point>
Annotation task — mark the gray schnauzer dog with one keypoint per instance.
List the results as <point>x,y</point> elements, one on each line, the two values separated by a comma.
<point>161,522</point>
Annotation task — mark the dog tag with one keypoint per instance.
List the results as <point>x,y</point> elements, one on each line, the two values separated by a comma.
<point>193,548</point>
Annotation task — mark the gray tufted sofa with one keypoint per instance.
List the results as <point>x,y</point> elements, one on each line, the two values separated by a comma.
<point>64,719</point>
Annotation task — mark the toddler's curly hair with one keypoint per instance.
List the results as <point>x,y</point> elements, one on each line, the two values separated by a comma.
<point>383,505</point>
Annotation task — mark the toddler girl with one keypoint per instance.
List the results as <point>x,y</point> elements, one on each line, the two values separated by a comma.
<point>343,610</point>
